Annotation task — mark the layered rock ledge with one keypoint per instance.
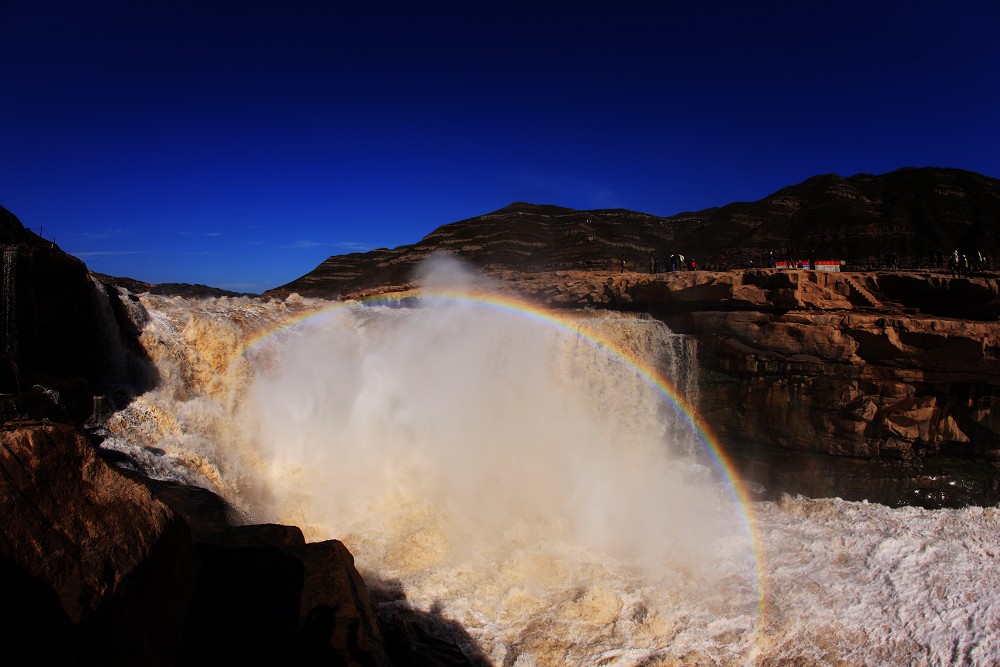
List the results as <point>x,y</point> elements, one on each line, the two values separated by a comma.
<point>878,386</point>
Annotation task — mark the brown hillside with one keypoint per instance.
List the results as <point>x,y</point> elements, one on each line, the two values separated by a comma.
<point>913,213</point>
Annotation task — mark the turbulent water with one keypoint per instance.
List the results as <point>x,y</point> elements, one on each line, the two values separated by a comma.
<point>513,473</point>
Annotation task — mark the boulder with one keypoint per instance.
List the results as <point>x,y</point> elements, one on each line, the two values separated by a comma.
<point>302,603</point>
<point>118,565</point>
<point>111,574</point>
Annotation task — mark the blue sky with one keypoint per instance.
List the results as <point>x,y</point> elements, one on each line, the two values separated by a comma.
<point>238,144</point>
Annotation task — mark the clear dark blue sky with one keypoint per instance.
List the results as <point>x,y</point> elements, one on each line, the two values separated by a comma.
<point>240,143</point>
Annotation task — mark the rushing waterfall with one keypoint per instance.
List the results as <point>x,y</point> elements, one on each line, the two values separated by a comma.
<point>518,473</point>
<point>115,355</point>
<point>8,305</point>
<point>671,356</point>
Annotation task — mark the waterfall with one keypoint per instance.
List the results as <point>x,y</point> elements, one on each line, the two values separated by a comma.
<point>511,476</point>
<point>670,356</point>
<point>114,353</point>
<point>680,364</point>
<point>8,305</point>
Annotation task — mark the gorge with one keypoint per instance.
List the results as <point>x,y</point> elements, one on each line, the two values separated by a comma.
<point>506,455</point>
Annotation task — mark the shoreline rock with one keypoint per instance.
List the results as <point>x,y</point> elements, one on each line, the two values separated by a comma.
<point>118,577</point>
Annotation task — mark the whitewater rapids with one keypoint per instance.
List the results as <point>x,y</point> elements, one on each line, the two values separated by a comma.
<point>512,476</point>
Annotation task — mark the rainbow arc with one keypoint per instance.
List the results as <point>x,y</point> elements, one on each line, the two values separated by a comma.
<point>517,307</point>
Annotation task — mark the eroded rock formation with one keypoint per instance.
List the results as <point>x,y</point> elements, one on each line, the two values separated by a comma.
<point>883,386</point>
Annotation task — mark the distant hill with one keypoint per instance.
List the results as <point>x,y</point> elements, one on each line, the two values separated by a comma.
<point>912,212</point>
<point>187,290</point>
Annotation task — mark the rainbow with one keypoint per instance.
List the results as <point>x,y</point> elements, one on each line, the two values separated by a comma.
<point>517,307</point>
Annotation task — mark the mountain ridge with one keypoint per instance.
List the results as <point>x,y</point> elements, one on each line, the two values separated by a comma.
<point>917,214</point>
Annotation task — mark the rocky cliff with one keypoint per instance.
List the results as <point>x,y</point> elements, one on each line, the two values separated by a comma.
<point>59,328</point>
<point>878,386</point>
<point>864,384</point>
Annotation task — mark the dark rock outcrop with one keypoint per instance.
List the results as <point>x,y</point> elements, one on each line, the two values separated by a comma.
<point>115,567</point>
<point>303,603</point>
<point>59,328</point>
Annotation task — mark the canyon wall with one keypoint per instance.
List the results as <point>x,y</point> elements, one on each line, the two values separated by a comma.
<point>878,386</point>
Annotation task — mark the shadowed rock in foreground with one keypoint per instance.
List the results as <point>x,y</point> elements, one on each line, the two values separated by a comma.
<point>115,576</point>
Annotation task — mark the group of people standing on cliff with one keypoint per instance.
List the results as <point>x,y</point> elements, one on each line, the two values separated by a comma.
<point>677,262</point>
<point>963,265</point>
<point>958,264</point>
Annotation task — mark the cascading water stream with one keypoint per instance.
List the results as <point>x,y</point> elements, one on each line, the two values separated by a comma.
<point>9,304</point>
<point>504,470</point>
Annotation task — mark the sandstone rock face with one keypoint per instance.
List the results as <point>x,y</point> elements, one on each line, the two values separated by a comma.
<point>767,290</point>
<point>880,386</point>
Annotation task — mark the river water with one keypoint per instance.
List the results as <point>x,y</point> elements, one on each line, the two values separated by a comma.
<point>522,475</point>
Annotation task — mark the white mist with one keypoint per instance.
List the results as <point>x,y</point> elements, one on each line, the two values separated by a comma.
<point>437,433</point>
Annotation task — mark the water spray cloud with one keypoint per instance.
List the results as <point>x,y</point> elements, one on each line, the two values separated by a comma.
<point>462,418</point>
